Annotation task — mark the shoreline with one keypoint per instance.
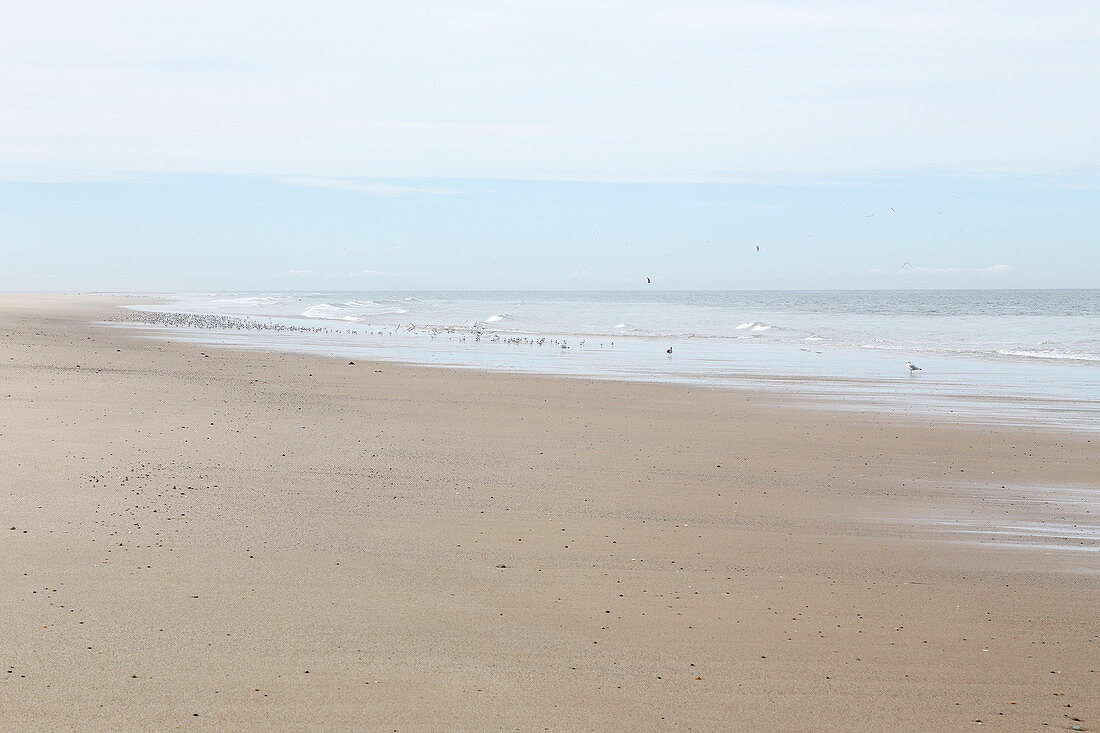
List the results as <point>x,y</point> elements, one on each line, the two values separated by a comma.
<point>218,522</point>
<point>977,403</point>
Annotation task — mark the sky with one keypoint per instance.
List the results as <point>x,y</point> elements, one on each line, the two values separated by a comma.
<point>568,145</point>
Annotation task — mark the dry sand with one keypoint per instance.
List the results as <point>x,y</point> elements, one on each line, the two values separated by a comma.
<point>213,540</point>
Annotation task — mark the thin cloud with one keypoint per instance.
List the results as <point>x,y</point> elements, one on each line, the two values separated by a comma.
<point>138,96</point>
<point>991,270</point>
<point>917,270</point>
<point>356,273</point>
<point>371,273</point>
<point>23,174</point>
<point>578,274</point>
<point>377,189</point>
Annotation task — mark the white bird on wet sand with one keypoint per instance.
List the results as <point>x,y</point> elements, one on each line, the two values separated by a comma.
<point>912,367</point>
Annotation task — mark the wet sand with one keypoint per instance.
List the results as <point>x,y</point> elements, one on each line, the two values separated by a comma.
<point>211,539</point>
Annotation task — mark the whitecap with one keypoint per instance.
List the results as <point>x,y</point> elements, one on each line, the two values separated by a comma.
<point>1050,354</point>
<point>323,310</point>
<point>254,300</point>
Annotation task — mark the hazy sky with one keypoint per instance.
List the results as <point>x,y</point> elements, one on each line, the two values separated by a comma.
<point>202,145</point>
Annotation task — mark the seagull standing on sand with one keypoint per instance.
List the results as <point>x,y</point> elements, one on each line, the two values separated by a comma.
<point>912,367</point>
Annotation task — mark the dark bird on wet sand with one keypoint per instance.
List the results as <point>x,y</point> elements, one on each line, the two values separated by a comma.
<point>648,280</point>
<point>669,352</point>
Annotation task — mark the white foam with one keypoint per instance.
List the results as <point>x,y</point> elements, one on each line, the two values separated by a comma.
<point>1050,354</point>
<point>248,301</point>
<point>323,310</point>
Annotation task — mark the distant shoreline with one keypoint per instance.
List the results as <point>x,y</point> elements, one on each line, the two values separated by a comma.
<point>1014,381</point>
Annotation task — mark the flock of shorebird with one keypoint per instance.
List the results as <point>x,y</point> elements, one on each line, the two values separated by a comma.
<point>220,322</point>
<point>213,321</point>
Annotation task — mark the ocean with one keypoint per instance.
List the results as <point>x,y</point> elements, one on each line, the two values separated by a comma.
<point>1022,356</point>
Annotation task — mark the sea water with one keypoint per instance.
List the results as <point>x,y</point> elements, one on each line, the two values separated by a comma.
<point>1001,355</point>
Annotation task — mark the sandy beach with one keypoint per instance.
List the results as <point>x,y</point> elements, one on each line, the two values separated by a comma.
<point>206,539</point>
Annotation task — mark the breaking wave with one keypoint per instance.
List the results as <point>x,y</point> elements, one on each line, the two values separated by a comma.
<point>1050,354</point>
